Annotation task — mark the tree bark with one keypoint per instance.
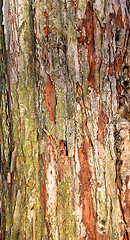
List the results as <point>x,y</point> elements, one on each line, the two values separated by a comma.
<point>64,119</point>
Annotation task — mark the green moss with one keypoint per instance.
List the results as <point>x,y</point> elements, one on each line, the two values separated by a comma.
<point>66,219</point>
<point>40,224</point>
<point>7,212</point>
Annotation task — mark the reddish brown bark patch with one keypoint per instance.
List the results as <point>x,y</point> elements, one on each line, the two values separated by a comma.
<point>47,30</point>
<point>73,4</point>
<point>62,149</point>
<point>51,149</point>
<point>118,63</point>
<point>111,69</point>
<point>89,215</point>
<point>63,160</point>
<point>50,98</point>
<point>102,122</point>
<point>118,16</point>
<point>119,22</point>
<point>88,23</point>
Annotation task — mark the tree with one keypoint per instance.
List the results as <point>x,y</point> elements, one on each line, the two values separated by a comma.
<point>64,119</point>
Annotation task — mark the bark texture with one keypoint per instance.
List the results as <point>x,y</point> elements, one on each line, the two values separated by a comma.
<point>64,119</point>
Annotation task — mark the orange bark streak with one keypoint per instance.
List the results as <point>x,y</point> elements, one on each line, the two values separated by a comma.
<point>118,63</point>
<point>47,30</point>
<point>63,160</point>
<point>89,215</point>
<point>50,98</point>
<point>51,148</point>
<point>88,23</point>
<point>119,22</point>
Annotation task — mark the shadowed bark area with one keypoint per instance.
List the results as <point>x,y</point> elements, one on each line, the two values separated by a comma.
<point>64,119</point>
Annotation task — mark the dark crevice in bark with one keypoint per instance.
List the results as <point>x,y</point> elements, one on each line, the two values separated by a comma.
<point>118,179</point>
<point>3,85</point>
<point>33,39</point>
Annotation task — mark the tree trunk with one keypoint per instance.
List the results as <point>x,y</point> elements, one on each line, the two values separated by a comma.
<point>64,119</point>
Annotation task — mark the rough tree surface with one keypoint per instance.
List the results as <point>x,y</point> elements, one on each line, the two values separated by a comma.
<point>64,119</point>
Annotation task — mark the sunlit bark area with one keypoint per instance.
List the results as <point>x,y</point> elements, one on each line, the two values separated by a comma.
<point>64,119</point>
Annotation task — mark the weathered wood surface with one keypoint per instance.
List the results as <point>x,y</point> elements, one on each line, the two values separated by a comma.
<point>64,119</point>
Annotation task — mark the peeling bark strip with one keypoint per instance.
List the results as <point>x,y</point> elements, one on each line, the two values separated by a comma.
<point>88,25</point>
<point>47,29</point>
<point>63,160</point>
<point>50,98</point>
<point>56,192</point>
<point>89,215</point>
